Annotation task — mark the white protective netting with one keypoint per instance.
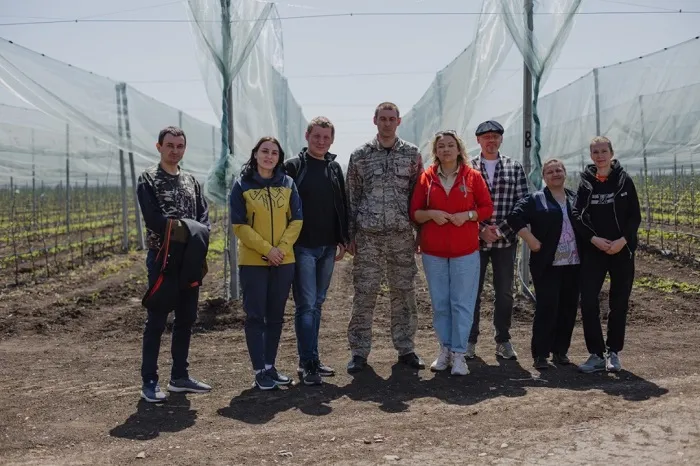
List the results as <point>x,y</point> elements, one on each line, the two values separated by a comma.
<point>241,50</point>
<point>76,116</point>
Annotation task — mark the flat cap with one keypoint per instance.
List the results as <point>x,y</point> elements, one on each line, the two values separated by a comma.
<point>489,127</point>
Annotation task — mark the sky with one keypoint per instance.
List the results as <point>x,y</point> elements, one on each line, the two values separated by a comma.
<point>337,67</point>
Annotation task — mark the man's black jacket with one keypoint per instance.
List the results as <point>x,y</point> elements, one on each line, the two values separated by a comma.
<point>181,265</point>
<point>296,169</point>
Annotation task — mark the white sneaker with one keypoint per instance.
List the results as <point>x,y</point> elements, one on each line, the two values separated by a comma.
<point>443,360</point>
<point>459,365</point>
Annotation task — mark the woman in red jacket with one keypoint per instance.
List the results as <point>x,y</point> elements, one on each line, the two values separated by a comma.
<point>449,201</point>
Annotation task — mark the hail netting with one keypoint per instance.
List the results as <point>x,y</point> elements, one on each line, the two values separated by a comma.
<point>241,60</point>
<point>485,80</point>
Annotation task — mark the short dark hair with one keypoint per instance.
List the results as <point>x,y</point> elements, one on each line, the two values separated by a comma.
<point>387,106</point>
<point>172,130</point>
<point>321,122</point>
<point>251,166</point>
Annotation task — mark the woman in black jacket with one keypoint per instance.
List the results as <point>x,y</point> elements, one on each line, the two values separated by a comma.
<point>607,217</point>
<point>554,263</point>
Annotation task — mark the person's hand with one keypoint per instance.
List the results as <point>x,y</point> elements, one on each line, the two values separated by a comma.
<point>534,245</point>
<point>416,244</point>
<point>459,219</point>
<point>351,248</point>
<point>601,243</point>
<point>440,217</point>
<point>275,257</point>
<point>616,246</point>
<point>489,234</point>
<point>340,252</point>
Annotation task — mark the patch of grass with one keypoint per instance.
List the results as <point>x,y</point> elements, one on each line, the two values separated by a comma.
<point>667,285</point>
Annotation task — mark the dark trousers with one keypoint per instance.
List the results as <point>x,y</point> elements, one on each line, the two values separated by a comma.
<point>185,317</point>
<point>557,291</point>
<point>265,292</point>
<point>595,266</point>
<point>502,263</point>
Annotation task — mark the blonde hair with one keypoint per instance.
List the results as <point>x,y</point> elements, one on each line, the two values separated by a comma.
<point>461,158</point>
<point>601,139</point>
<point>552,161</point>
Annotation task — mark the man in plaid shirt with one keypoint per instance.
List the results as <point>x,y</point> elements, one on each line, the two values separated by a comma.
<point>507,183</point>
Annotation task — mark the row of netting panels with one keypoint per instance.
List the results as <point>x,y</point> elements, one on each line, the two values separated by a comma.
<point>649,107</point>
<point>67,196</point>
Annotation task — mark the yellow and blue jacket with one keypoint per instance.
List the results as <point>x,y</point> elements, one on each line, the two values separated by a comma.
<point>265,213</point>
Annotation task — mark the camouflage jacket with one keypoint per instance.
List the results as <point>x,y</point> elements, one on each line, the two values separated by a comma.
<point>379,185</point>
<point>162,196</point>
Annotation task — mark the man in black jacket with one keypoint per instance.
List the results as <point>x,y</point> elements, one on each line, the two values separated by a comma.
<point>322,241</point>
<point>607,215</point>
<point>166,192</point>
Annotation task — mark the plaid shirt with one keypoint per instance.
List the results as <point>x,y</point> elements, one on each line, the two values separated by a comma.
<point>509,186</point>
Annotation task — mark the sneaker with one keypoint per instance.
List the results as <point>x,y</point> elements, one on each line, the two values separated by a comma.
<point>459,365</point>
<point>540,363</point>
<point>264,381</point>
<point>471,351</point>
<point>506,350</point>
<point>189,385</point>
<point>443,361</point>
<point>560,359</point>
<point>324,370</point>
<point>151,392</point>
<point>279,379</point>
<point>311,374</point>
<point>594,364</point>
<point>612,362</point>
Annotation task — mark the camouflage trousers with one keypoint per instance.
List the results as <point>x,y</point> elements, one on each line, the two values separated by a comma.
<point>393,253</point>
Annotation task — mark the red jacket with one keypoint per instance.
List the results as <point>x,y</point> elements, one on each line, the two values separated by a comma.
<point>469,192</point>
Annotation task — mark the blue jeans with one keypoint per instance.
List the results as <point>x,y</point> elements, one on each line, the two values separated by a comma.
<point>453,285</point>
<point>312,277</point>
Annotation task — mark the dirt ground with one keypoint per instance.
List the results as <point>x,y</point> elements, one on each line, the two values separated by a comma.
<point>70,356</point>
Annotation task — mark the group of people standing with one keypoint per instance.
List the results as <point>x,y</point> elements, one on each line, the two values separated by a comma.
<point>295,218</point>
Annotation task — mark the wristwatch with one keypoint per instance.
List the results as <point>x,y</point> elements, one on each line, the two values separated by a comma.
<point>470,215</point>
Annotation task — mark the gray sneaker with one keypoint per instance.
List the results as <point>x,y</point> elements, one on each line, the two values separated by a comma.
<point>189,385</point>
<point>470,353</point>
<point>594,364</point>
<point>612,362</point>
<point>506,350</point>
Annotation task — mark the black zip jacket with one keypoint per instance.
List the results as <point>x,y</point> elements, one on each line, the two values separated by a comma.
<point>544,215</point>
<point>596,200</point>
<point>184,269</point>
<point>296,169</point>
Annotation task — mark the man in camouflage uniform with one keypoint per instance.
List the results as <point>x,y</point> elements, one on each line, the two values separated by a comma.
<point>381,176</point>
<point>165,192</point>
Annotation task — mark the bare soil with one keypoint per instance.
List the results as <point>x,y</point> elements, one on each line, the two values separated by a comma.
<point>70,357</point>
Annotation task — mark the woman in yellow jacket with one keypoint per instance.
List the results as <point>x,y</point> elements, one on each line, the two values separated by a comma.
<point>266,218</point>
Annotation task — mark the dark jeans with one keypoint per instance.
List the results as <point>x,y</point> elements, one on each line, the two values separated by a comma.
<point>185,317</point>
<point>312,277</point>
<point>557,291</point>
<point>593,270</point>
<point>265,292</point>
<point>502,263</point>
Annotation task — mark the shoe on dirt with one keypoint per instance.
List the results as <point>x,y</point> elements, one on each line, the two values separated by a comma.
<point>612,362</point>
<point>188,385</point>
<point>279,379</point>
<point>594,364</point>
<point>506,350</point>
<point>151,392</point>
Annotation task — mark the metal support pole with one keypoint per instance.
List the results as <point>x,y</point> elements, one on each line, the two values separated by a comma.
<point>137,209</point>
<point>644,155</point>
<point>34,219</point>
<point>597,101</point>
<point>527,138</point>
<point>122,172</point>
<point>67,178</point>
<point>231,243</point>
